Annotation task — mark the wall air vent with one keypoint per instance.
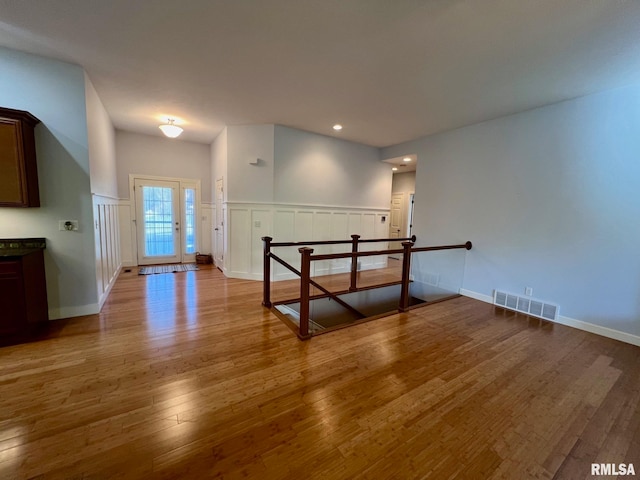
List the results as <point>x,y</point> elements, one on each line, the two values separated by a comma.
<point>527,305</point>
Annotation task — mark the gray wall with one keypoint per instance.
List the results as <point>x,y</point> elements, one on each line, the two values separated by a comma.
<point>549,198</point>
<point>54,92</point>
<point>321,170</point>
<point>247,144</point>
<point>102,145</point>
<point>404,182</point>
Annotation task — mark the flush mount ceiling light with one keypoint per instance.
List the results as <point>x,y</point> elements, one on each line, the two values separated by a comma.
<point>169,129</point>
<point>406,159</point>
<point>337,127</point>
<point>395,169</point>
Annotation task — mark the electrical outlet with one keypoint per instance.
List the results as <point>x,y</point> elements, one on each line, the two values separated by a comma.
<point>257,224</point>
<point>68,225</point>
<point>528,291</point>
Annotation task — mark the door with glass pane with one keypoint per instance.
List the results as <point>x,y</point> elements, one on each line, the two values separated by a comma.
<point>158,222</point>
<point>189,216</point>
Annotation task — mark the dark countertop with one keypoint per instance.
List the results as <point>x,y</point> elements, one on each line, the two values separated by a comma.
<point>19,247</point>
<point>7,253</point>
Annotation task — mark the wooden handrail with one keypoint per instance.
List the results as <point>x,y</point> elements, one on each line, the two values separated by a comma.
<point>339,242</point>
<point>335,256</point>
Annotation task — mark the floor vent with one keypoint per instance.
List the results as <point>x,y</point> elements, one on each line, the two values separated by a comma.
<point>528,305</point>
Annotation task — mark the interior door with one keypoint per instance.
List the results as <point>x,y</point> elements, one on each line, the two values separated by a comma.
<point>219,228</point>
<point>395,220</point>
<point>158,221</point>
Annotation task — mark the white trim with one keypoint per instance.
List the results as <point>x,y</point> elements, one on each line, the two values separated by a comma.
<point>571,322</point>
<point>113,200</point>
<point>68,312</point>
<point>107,291</point>
<point>476,296</point>
<point>245,275</point>
<point>600,330</point>
<point>307,205</point>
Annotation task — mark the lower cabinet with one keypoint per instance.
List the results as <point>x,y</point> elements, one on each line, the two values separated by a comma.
<point>23,293</point>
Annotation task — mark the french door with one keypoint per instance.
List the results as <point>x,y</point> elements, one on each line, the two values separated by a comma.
<point>166,213</point>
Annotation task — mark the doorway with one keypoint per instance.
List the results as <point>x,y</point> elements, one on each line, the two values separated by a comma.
<point>396,219</point>
<point>166,212</point>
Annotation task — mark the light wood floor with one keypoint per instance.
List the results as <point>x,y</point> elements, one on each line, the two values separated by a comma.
<point>186,376</point>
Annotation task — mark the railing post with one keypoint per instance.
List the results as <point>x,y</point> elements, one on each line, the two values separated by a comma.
<point>406,269</point>
<point>266,270</point>
<point>305,275</point>
<point>354,263</point>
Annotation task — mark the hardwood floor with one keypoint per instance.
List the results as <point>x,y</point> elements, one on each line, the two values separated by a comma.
<point>186,376</point>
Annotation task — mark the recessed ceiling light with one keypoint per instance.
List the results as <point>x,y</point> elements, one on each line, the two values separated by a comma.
<point>395,169</point>
<point>406,159</point>
<point>337,127</point>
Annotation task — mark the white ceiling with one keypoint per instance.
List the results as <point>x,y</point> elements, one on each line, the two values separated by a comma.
<point>388,70</point>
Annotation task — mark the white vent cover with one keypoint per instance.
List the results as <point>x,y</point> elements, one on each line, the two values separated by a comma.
<point>528,305</point>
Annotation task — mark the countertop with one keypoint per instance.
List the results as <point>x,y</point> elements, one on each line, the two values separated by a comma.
<point>19,247</point>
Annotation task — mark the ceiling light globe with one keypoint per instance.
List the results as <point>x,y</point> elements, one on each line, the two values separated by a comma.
<point>170,130</point>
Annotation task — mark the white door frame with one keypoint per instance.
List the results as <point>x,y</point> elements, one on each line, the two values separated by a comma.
<point>184,183</point>
<point>219,234</point>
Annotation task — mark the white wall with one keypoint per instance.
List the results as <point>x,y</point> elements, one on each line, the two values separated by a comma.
<point>550,200</point>
<point>246,181</point>
<point>164,157</point>
<point>54,92</point>
<point>320,170</point>
<point>102,145</point>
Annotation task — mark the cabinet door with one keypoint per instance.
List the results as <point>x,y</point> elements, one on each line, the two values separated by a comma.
<point>12,299</point>
<point>12,166</point>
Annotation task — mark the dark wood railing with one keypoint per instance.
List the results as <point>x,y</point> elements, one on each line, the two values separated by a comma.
<point>355,242</point>
<point>305,270</point>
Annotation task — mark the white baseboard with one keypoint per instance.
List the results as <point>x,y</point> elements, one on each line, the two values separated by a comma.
<point>476,296</point>
<point>571,322</point>
<point>105,294</point>
<point>242,275</point>
<point>600,330</point>
<point>78,311</point>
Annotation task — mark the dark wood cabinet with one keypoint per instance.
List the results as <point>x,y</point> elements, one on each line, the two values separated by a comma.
<point>23,293</point>
<point>18,168</point>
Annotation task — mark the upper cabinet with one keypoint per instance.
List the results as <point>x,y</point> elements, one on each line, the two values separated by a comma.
<point>18,169</point>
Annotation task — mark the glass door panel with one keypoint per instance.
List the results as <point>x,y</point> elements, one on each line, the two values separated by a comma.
<point>190,209</point>
<point>158,222</point>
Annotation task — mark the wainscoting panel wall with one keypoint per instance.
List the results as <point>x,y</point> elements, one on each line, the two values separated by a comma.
<point>248,223</point>
<point>107,241</point>
<point>205,235</point>
<point>240,241</point>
